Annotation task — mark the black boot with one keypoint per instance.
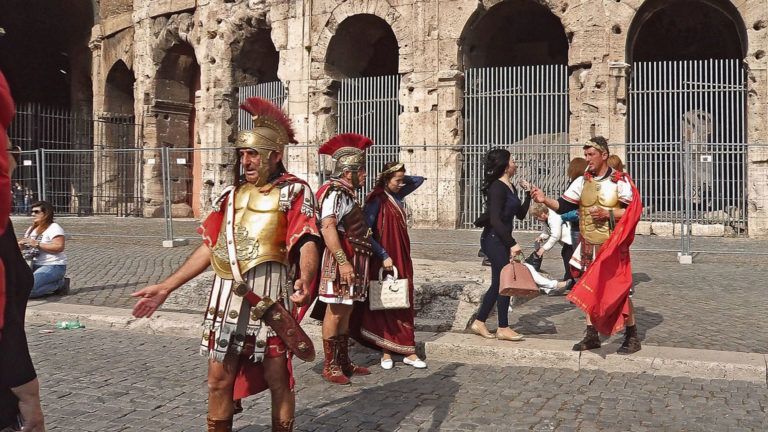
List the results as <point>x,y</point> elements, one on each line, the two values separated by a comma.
<point>631,341</point>
<point>591,340</point>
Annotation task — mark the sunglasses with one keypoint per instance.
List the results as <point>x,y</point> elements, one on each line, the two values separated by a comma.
<point>36,211</point>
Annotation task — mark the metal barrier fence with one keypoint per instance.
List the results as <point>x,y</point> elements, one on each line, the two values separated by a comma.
<point>273,91</point>
<point>523,109</point>
<point>370,106</point>
<point>167,184</point>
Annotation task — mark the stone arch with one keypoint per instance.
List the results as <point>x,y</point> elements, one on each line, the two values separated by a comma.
<point>373,42</point>
<point>686,30</point>
<point>538,35</point>
<point>176,89</point>
<point>255,58</point>
<point>47,42</point>
<point>118,89</point>
<point>381,9</point>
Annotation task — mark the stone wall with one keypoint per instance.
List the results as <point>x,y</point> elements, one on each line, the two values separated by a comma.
<point>433,38</point>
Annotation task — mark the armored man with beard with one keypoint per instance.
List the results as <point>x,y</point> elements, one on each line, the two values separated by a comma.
<point>344,268</point>
<point>262,242</point>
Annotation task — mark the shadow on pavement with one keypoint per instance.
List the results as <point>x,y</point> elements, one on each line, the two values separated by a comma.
<point>536,323</point>
<point>427,400</point>
<point>646,320</point>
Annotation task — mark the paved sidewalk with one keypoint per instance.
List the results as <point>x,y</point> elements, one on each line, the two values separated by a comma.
<point>130,381</point>
<point>718,303</point>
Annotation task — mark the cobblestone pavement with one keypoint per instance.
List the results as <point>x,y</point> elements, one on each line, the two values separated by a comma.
<point>718,303</point>
<point>131,381</point>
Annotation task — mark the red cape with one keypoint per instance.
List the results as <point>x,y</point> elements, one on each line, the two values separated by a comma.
<point>250,376</point>
<point>603,290</point>
<point>7,112</point>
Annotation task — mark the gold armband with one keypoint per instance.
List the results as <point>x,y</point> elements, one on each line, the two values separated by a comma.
<point>341,258</point>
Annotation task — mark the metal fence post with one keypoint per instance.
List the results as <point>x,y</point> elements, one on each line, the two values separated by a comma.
<point>42,192</point>
<point>684,257</point>
<point>167,194</point>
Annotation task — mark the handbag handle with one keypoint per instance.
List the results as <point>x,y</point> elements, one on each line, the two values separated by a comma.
<point>381,273</point>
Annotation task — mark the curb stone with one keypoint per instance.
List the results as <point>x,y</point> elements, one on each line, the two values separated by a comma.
<point>457,347</point>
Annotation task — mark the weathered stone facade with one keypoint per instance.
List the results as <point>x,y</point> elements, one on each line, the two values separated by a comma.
<point>187,58</point>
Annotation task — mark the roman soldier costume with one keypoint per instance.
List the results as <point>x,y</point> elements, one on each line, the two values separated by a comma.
<point>602,256</point>
<point>255,234</point>
<point>338,199</point>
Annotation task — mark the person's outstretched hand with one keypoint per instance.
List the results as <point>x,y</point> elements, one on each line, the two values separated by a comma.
<point>151,298</point>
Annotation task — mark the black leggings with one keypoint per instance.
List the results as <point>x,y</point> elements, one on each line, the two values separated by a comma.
<point>498,254</point>
<point>567,253</point>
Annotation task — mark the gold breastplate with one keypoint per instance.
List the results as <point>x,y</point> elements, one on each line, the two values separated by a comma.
<point>259,232</point>
<point>597,193</point>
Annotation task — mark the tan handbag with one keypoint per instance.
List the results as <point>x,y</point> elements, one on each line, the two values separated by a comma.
<point>516,280</point>
<point>388,294</point>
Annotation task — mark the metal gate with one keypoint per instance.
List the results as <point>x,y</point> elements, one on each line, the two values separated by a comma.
<point>273,91</point>
<point>68,172</point>
<point>523,109</point>
<point>371,107</point>
<point>688,146</point>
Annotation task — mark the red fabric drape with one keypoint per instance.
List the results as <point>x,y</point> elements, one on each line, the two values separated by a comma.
<point>389,329</point>
<point>7,111</point>
<point>603,290</point>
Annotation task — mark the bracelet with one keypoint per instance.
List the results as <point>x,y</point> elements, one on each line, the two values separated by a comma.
<point>341,258</point>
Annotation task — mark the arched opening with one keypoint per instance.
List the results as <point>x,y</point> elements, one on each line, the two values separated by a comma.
<point>368,91</point>
<point>257,59</point>
<point>176,88</point>
<point>515,57</point>
<point>375,48</point>
<point>117,172</point>
<point>254,71</point>
<point>118,91</point>
<point>514,33</point>
<point>686,118</point>
<point>665,30</point>
<point>44,53</point>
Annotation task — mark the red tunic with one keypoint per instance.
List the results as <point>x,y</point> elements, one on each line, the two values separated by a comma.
<point>389,329</point>
<point>301,221</point>
<point>603,290</point>
<point>7,111</point>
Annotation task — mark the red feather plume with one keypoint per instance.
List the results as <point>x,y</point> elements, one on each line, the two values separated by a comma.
<point>357,141</point>
<point>258,107</point>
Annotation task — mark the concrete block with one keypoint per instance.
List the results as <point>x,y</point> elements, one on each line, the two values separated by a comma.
<point>700,230</point>
<point>175,243</point>
<point>665,229</point>
<point>643,228</point>
<point>684,259</point>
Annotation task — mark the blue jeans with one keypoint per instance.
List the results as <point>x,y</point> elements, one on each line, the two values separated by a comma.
<point>48,278</point>
<point>498,254</point>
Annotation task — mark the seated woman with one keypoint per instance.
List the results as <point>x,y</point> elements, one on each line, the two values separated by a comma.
<point>43,242</point>
<point>551,287</point>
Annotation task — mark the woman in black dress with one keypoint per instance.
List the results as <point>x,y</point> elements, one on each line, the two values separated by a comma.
<point>502,206</point>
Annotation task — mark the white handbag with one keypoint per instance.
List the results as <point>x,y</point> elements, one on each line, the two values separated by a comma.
<point>389,293</point>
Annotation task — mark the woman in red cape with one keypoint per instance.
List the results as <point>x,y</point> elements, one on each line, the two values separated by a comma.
<point>390,331</point>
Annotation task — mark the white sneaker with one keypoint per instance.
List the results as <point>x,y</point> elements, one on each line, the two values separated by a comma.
<point>387,364</point>
<point>418,363</point>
